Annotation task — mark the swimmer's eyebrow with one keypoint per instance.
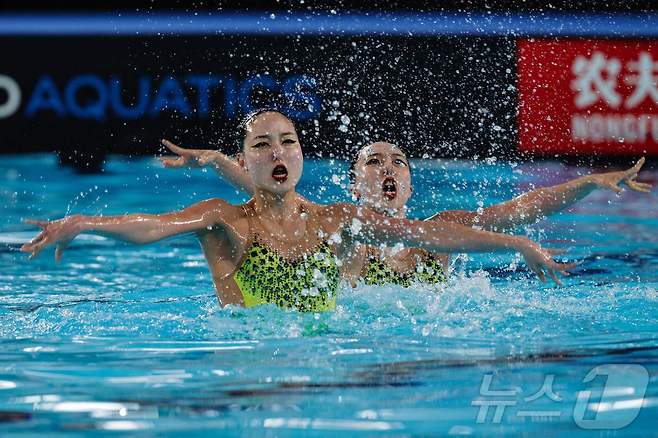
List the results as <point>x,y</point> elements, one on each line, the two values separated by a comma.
<point>379,154</point>
<point>268,136</point>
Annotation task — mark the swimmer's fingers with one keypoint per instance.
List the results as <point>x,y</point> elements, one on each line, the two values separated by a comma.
<point>174,148</point>
<point>59,249</point>
<point>173,161</point>
<point>206,157</point>
<point>534,267</point>
<point>182,158</point>
<point>631,174</point>
<point>612,180</point>
<point>186,157</point>
<point>38,223</point>
<point>36,251</point>
<point>182,152</point>
<point>638,186</point>
<point>554,277</point>
<point>563,268</point>
<point>614,186</point>
<point>36,246</point>
<point>27,247</point>
<point>541,275</point>
<point>536,259</point>
<point>633,171</point>
<point>553,268</point>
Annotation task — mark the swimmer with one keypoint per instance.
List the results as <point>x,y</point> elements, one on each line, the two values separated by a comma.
<point>381,181</point>
<point>278,247</point>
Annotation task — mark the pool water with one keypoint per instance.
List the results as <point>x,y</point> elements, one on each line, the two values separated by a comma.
<point>121,338</point>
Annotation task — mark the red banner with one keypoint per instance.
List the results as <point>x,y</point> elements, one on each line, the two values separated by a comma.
<point>583,97</point>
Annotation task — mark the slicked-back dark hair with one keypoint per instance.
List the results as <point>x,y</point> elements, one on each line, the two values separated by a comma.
<point>243,127</point>
<point>355,158</point>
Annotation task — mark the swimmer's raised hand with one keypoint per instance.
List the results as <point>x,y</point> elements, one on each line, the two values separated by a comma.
<point>613,180</point>
<point>189,157</point>
<point>59,233</point>
<point>227,168</point>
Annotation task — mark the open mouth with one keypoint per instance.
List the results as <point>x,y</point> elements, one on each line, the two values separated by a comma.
<point>280,173</point>
<point>389,187</point>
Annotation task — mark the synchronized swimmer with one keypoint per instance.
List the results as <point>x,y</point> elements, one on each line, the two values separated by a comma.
<point>381,182</point>
<point>281,248</point>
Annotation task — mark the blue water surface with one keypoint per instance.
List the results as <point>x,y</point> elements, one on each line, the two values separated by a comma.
<point>131,339</point>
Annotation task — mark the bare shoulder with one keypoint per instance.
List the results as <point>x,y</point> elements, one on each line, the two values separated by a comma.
<point>223,218</point>
<point>331,217</point>
<point>340,210</point>
<point>211,204</point>
<point>215,210</point>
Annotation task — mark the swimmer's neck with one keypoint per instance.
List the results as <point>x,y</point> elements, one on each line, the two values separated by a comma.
<point>396,213</point>
<point>278,207</point>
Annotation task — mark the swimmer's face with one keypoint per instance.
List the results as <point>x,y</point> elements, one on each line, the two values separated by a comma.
<point>272,154</point>
<point>382,180</point>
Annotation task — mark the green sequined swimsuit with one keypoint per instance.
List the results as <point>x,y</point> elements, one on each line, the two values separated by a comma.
<point>307,283</point>
<point>428,271</point>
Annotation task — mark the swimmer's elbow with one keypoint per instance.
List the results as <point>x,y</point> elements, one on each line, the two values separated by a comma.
<point>150,236</point>
<point>150,229</point>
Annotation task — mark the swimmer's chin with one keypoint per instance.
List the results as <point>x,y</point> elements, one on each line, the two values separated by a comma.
<point>280,187</point>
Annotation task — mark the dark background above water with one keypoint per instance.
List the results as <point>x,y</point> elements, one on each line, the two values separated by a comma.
<point>445,96</point>
<point>440,96</point>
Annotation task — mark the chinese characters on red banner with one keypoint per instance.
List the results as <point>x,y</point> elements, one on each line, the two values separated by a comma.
<point>588,97</point>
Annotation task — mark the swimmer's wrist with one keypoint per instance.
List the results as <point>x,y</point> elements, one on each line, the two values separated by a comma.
<point>83,223</point>
<point>587,179</point>
<point>79,223</point>
<point>519,244</point>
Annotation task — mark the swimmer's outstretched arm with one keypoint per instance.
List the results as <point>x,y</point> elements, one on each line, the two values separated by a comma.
<point>132,228</point>
<point>226,167</point>
<point>532,206</point>
<point>361,225</point>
